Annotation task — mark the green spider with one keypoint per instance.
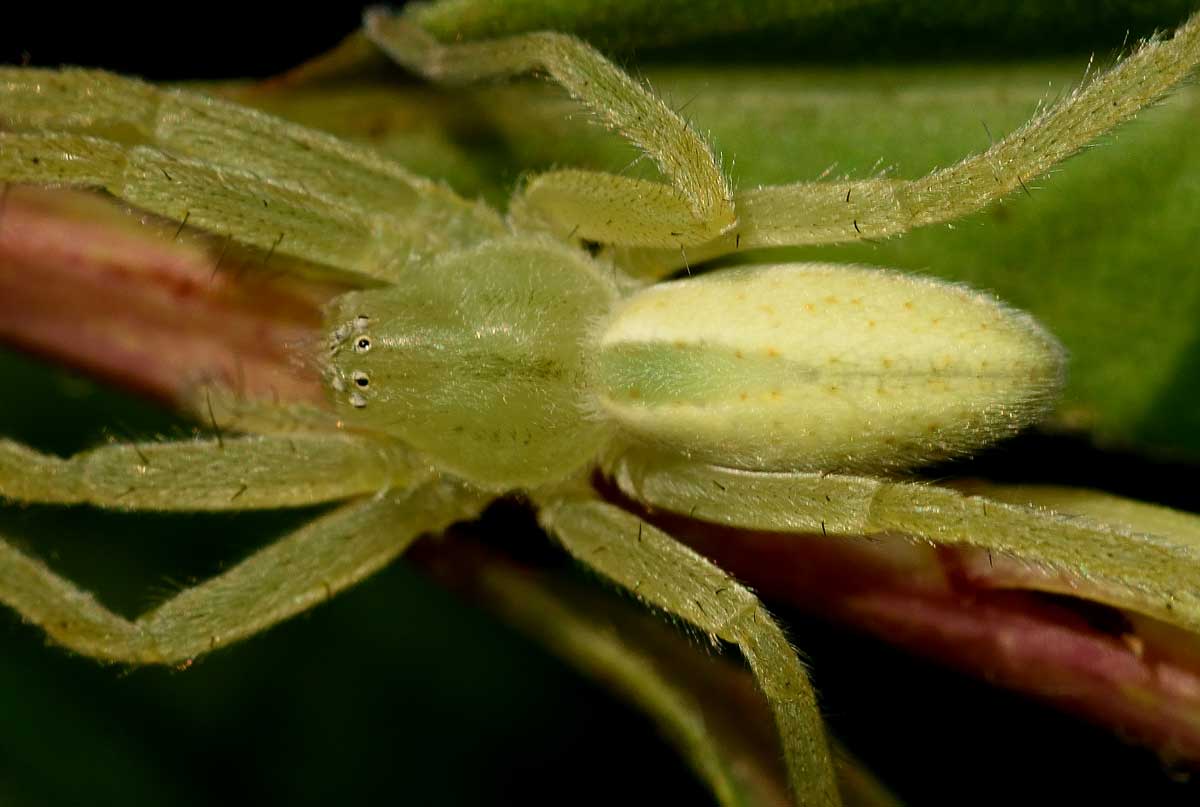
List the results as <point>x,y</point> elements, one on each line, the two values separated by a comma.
<point>490,355</point>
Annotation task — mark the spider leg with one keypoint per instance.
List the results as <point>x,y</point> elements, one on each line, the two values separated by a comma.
<point>695,207</point>
<point>231,473</point>
<point>1131,558</point>
<point>838,211</point>
<point>291,575</point>
<point>226,201</point>
<point>232,170</point>
<point>668,575</point>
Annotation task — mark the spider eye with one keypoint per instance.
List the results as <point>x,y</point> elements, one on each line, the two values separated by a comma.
<point>357,401</point>
<point>362,344</point>
<point>360,379</point>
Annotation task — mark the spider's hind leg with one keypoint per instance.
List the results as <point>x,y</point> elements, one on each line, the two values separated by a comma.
<point>666,574</point>
<point>1129,557</point>
<point>839,211</point>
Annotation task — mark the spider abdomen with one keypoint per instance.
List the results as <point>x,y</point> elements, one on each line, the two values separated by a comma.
<point>823,367</point>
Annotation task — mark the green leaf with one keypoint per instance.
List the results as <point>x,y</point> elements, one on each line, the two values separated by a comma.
<point>828,30</point>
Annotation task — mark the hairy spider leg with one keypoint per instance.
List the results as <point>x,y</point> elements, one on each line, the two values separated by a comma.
<point>291,575</point>
<point>831,212</point>
<point>664,573</point>
<point>1155,573</point>
<point>695,207</point>
<point>229,473</point>
<point>234,171</point>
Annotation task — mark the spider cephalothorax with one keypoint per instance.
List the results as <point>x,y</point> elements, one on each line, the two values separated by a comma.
<point>480,360</point>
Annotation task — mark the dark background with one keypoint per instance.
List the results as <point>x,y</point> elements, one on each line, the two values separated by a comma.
<point>399,692</point>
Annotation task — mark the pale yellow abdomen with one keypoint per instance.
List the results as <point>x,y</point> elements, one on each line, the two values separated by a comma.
<point>823,367</point>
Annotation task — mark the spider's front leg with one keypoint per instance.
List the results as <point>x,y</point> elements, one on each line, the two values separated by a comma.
<point>236,172</point>
<point>290,576</point>
<point>695,207</point>
<point>667,575</point>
